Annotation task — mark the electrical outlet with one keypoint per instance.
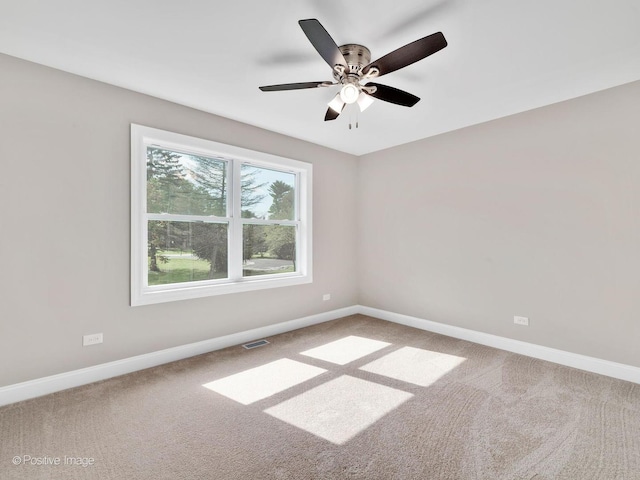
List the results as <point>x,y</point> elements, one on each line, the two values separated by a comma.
<point>326,296</point>
<point>521,321</point>
<point>92,339</point>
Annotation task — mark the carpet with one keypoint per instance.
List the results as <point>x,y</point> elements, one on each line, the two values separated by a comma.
<point>355,398</point>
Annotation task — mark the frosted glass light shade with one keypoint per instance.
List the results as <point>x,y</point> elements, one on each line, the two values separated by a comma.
<point>349,93</point>
<point>336,104</point>
<point>364,101</point>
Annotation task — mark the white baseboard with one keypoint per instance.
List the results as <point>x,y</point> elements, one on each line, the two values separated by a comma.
<point>582,362</point>
<point>55,383</point>
<point>76,378</point>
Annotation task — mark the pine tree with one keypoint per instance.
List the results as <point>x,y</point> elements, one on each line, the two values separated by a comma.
<point>166,189</point>
<point>281,239</point>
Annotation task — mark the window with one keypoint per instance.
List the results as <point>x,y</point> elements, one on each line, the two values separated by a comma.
<point>209,218</point>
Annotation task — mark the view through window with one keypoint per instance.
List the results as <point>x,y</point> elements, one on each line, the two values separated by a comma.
<point>209,218</point>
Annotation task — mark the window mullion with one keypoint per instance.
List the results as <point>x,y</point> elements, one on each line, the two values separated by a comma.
<point>167,217</point>
<point>303,237</point>
<point>296,203</point>
<point>260,221</point>
<point>235,225</point>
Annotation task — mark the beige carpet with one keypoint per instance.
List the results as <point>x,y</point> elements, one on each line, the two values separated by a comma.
<point>354,398</point>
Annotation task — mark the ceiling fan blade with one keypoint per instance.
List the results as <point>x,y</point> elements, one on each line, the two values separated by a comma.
<point>393,95</point>
<point>410,53</point>
<point>336,103</point>
<point>322,41</point>
<point>331,114</point>
<point>292,86</point>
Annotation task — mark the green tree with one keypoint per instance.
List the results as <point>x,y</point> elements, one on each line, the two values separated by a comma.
<point>210,240</point>
<point>249,187</point>
<point>167,190</point>
<point>281,239</point>
<point>253,238</point>
<point>210,177</point>
<point>282,201</point>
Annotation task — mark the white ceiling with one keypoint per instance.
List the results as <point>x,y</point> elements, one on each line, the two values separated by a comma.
<point>504,56</point>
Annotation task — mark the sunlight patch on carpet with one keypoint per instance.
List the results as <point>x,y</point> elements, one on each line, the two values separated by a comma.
<point>414,365</point>
<point>340,409</point>
<point>346,349</point>
<point>261,382</point>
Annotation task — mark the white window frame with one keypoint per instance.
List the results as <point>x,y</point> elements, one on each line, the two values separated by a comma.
<point>141,292</point>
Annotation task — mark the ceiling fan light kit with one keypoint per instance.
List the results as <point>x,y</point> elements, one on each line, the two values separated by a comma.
<point>364,101</point>
<point>337,104</point>
<point>349,93</point>
<point>352,69</point>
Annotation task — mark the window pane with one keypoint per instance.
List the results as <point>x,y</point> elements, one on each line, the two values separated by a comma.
<point>268,194</point>
<point>185,184</point>
<point>186,252</point>
<point>268,249</point>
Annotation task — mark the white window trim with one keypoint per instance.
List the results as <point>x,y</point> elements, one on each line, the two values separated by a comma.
<point>141,293</point>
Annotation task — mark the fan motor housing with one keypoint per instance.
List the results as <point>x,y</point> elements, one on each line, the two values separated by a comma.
<point>357,57</point>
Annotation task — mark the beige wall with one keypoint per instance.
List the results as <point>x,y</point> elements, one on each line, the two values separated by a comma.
<point>64,241</point>
<point>536,215</point>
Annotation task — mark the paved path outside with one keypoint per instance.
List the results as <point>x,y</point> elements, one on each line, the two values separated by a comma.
<point>267,264</point>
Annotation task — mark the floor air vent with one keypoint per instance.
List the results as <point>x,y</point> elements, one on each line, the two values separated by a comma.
<point>256,344</point>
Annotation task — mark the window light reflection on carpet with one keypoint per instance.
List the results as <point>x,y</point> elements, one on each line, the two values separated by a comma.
<point>261,382</point>
<point>346,349</point>
<point>340,409</point>
<point>414,365</point>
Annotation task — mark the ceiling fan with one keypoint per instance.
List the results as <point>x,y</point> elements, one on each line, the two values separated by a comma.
<point>353,69</point>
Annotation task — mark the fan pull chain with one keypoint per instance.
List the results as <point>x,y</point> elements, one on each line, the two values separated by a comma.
<point>350,121</point>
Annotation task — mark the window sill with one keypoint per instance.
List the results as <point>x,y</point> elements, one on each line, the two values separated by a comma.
<point>170,293</point>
